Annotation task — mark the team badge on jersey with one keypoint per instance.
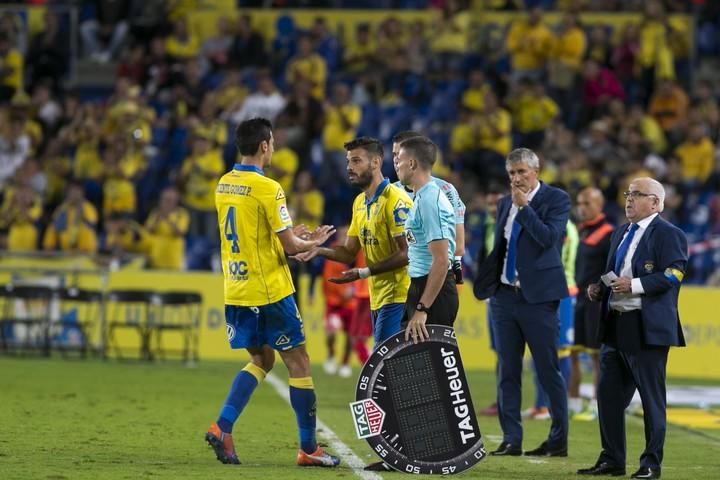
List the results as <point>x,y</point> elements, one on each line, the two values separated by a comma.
<point>230,331</point>
<point>649,266</point>
<point>400,213</point>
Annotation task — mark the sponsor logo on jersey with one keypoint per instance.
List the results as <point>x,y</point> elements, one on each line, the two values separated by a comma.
<point>367,238</point>
<point>282,340</point>
<point>238,270</point>
<point>284,214</point>
<point>280,194</point>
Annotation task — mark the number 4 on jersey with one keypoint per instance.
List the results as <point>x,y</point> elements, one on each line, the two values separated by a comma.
<point>231,231</point>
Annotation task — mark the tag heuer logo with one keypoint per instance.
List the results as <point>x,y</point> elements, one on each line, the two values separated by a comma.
<point>282,340</point>
<point>368,417</point>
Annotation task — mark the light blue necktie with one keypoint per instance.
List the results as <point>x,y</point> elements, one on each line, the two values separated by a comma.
<point>623,248</point>
<point>512,246</point>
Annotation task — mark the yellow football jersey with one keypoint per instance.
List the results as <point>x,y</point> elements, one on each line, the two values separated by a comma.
<point>375,222</point>
<point>251,210</point>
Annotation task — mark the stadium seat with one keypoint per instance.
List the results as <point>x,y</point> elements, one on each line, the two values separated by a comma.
<point>82,316</point>
<point>176,312</point>
<point>25,320</point>
<point>129,309</point>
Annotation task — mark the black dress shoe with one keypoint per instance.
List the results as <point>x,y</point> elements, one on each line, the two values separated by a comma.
<point>507,449</point>
<point>544,451</point>
<point>646,472</point>
<point>603,468</point>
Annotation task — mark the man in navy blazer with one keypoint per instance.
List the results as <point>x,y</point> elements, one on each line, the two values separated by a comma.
<point>649,257</point>
<point>524,276</point>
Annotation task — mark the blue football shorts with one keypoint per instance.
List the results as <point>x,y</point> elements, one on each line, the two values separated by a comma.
<point>278,325</point>
<point>566,314</point>
<point>386,322</point>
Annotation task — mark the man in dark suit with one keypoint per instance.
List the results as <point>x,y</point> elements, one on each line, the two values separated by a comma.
<point>649,256</point>
<point>524,276</point>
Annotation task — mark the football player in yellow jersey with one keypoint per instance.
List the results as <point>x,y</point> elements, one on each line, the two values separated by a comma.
<point>378,222</point>
<point>256,233</point>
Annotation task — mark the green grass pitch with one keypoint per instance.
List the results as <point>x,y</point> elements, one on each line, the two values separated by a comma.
<point>74,419</point>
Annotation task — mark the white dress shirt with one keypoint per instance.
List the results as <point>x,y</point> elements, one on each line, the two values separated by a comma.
<point>625,302</point>
<point>508,231</point>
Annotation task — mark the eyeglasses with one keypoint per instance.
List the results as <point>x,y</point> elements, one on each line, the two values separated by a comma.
<point>635,194</point>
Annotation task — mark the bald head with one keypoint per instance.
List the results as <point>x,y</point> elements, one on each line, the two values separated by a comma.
<point>590,202</point>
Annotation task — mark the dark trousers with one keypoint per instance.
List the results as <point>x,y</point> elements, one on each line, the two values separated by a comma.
<point>517,322</point>
<point>625,367</point>
<point>445,307</point>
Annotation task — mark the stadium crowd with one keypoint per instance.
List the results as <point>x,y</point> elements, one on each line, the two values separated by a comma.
<point>134,171</point>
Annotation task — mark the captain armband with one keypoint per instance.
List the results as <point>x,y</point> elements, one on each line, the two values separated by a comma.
<point>674,275</point>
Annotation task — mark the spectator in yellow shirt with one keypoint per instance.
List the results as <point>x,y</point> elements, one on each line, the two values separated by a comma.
<point>57,168</point>
<point>207,120</point>
<point>528,43</point>
<point>649,127</point>
<point>87,164</point>
<point>118,192</point>
<point>696,155</point>
<point>532,113</point>
<point>11,69</point>
<point>198,176</point>
<point>123,236</point>
<point>284,161</point>
<point>307,202</point>
<point>341,121</point>
<point>307,206</point>
<point>167,226</point>
<point>483,141</point>
<point>360,54</point>
<point>19,215</point>
<point>73,224</point>
<point>182,44</point>
<point>669,106</point>
<point>474,96</point>
<point>566,54</point>
<point>308,65</point>
<point>655,55</point>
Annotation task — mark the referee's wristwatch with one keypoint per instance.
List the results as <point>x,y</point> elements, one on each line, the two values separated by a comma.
<point>422,308</point>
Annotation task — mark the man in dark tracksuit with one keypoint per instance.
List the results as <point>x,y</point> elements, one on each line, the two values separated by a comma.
<point>595,232</point>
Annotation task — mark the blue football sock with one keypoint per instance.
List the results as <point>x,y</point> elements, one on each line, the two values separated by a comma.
<point>242,388</point>
<point>302,399</point>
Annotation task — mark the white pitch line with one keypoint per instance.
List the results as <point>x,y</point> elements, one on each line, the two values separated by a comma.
<point>338,446</point>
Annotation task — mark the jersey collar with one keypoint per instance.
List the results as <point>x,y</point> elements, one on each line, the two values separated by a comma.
<point>248,168</point>
<point>379,190</point>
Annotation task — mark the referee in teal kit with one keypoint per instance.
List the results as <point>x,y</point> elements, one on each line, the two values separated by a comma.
<point>430,231</point>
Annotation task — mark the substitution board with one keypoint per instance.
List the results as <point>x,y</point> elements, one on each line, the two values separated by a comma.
<point>413,405</point>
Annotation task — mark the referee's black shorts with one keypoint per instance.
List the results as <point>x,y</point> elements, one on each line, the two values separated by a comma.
<point>445,307</point>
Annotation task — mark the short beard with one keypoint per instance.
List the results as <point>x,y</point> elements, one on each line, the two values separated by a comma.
<point>362,181</point>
